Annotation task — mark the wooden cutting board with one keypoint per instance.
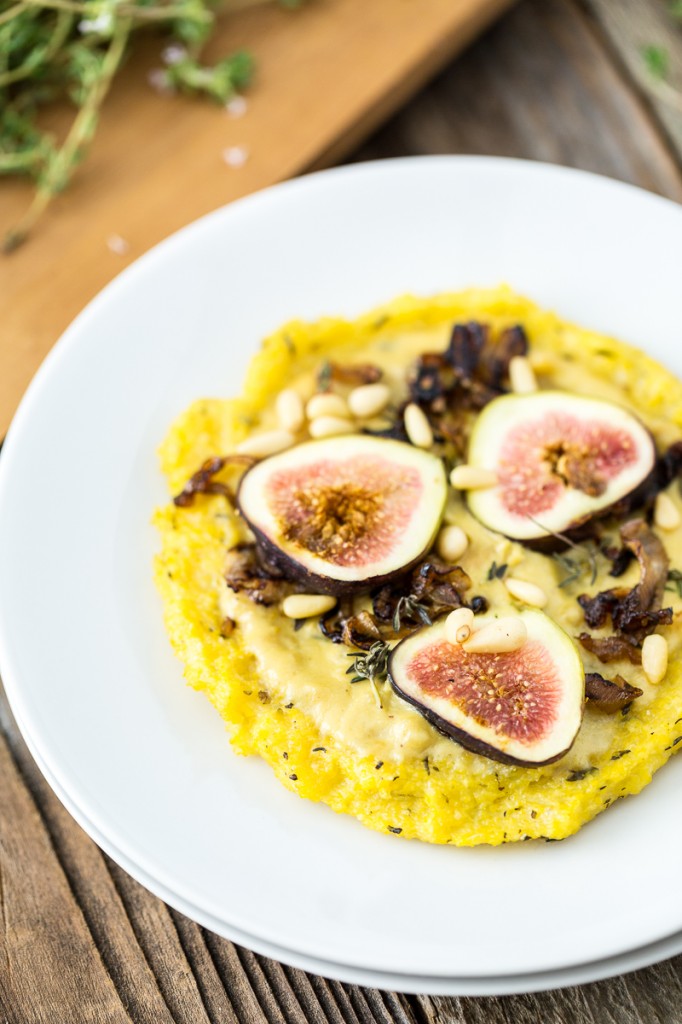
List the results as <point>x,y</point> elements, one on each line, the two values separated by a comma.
<point>327,74</point>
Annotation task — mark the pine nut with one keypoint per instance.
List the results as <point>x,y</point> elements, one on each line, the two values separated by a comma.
<point>655,657</point>
<point>368,400</point>
<point>521,376</point>
<point>328,426</point>
<point>417,427</point>
<point>527,592</point>
<point>459,625</point>
<point>326,405</point>
<point>470,478</point>
<point>666,515</point>
<point>305,606</point>
<point>290,411</point>
<point>497,637</point>
<point>270,443</point>
<point>452,542</point>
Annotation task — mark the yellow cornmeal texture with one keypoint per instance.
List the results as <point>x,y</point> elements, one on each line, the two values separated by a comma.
<point>285,695</point>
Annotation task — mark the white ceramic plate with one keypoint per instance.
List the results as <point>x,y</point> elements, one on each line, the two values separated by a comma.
<point>82,650</point>
<point>579,974</point>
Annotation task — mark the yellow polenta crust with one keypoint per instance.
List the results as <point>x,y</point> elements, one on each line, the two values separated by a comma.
<point>480,801</point>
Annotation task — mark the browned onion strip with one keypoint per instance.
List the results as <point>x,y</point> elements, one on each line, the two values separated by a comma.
<point>635,612</point>
<point>609,695</point>
<point>361,631</point>
<point>203,482</point>
<point>433,585</point>
<point>611,648</point>
<point>244,573</point>
<point>496,356</point>
<point>351,375</point>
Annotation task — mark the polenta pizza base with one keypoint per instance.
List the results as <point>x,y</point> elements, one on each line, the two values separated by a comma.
<point>284,695</point>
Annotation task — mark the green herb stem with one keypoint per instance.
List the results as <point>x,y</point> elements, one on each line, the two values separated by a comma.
<point>80,133</point>
<point>52,50</point>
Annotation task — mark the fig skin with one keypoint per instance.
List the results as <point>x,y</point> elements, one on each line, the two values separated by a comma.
<point>312,583</point>
<point>476,746</point>
<point>307,580</point>
<point>566,659</point>
<point>507,413</point>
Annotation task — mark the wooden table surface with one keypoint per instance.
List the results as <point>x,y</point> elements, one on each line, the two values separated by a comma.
<point>80,941</point>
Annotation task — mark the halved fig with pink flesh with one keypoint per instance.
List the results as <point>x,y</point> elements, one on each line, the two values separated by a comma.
<point>345,513</point>
<point>559,459</point>
<point>520,707</point>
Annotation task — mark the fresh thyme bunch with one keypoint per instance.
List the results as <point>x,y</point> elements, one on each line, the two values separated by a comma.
<point>72,49</point>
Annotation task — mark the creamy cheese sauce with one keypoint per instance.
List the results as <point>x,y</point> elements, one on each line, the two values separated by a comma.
<point>306,669</point>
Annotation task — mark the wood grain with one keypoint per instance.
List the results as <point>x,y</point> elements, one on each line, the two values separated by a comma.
<point>80,941</point>
<point>546,90</point>
<point>631,26</point>
<point>327,75</point>
<point>33,920</point>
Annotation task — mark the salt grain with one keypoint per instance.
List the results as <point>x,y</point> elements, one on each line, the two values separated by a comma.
<point>235,156</point>
<point>173,54</point>
<point>98,26</point>
<point>237,106</point>
<point>159,81</point>
<point>118,245</point>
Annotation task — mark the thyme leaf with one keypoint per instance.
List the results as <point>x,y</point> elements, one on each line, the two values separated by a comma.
<point>324,376</point>
<point>496,572</point>
<point>578,776</point>
<point>575,567</point>
<point>657,65</point>
<point>371,664</point>
<point>409,608</point>
<point>674,578</point>
<point>657,61</point>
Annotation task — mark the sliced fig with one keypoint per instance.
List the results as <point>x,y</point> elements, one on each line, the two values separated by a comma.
<point>345,513</point>
<point>559,459</point>
<point>520,707</point>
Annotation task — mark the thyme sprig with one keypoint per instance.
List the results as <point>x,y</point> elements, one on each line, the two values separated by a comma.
<point>409,608</point>
<point>371,665</point>
<point>575,568</point>
<point>56,50</point>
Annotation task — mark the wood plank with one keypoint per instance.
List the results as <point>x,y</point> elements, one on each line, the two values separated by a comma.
<point>158,938</point>
<point>540,85</point>
<point>272,988</point>
<point>235,979</point>
<point>606,1002</point>
<point>657,991</point>
<point>157,164</point>
<point>632,25</point>
<point>213,994</point>
<point>43,934</point>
